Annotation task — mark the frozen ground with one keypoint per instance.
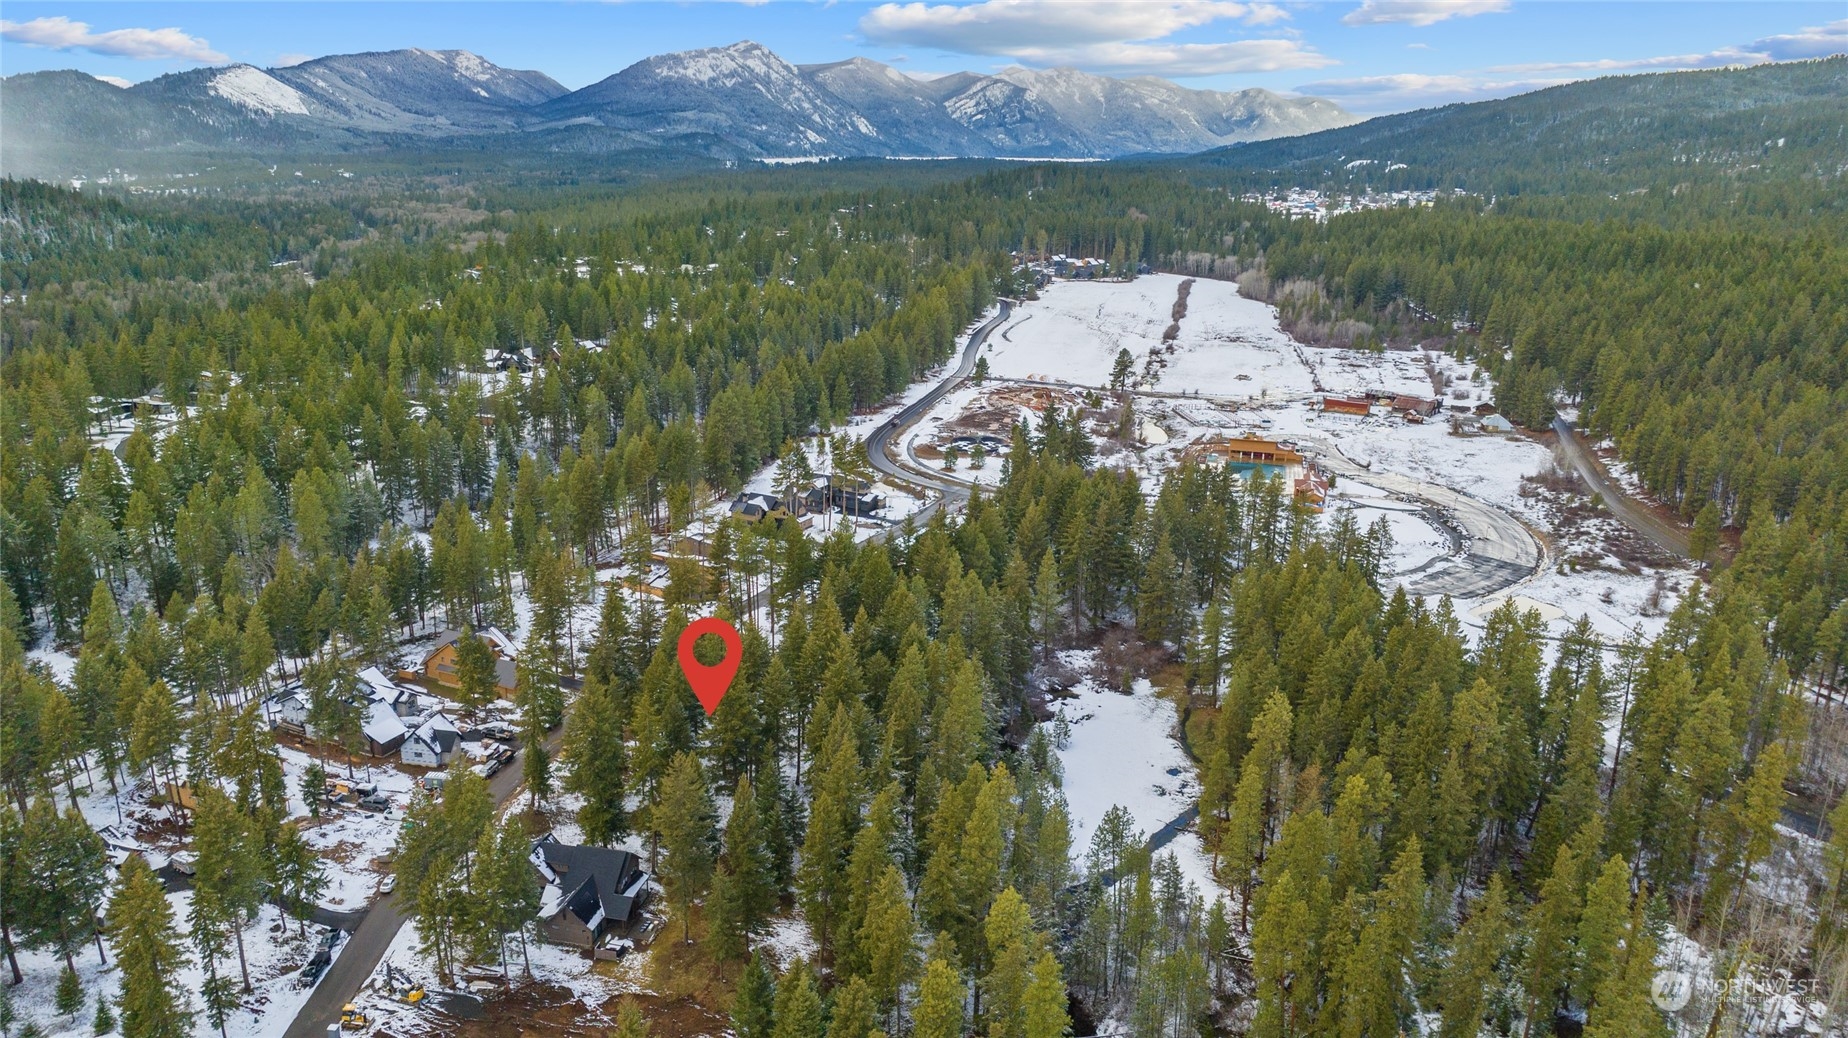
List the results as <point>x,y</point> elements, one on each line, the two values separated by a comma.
<point>1233,372</point>
<point>273,945</point>
<point>1073,332</point>
<point>1122,751</point>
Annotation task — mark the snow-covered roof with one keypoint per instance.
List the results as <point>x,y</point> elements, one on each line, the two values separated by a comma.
<point>382,688</point>
<point>438,733</point>
<point>383,726</point>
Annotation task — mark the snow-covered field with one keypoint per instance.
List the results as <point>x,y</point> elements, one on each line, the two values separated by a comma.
<point>1122,752</point>
<point>1073,332</point>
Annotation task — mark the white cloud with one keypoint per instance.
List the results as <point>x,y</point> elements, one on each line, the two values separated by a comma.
<point>1119,36</point>
<point>60,33</point>
<point>115,81</point>
<point>290,60</point>
<point>1813,42</point>
<point>1002,26</point>
<point>1180,59</point>
<point>1405,91</point>
<point>1420,12</point>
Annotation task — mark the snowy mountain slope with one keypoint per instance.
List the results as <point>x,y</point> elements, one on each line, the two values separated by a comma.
<point>736,101</point>
<point>905,113</point>
<point>743,93</point>
<point>418,89</point>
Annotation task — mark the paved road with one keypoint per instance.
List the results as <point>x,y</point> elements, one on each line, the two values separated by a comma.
<point>1499,550</point>
<point>366,947</point>
<point>879,442</point>
<point>1636,516</point>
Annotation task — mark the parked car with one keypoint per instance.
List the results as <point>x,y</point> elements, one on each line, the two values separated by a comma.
<point>376,803</point>
<point>390,883</point>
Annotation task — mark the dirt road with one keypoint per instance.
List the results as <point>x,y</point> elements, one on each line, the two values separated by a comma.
<point>1632,513</point>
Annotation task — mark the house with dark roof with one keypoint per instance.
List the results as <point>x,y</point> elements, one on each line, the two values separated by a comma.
<point>433,744</point>
<point>591,892</point>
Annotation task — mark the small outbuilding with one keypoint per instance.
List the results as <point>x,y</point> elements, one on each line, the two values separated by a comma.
<point>1347,406</point>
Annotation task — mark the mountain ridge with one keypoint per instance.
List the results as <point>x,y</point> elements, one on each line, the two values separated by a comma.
<point>738,101</point>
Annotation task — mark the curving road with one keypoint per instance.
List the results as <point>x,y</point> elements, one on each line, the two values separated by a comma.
<point>879,441</point>
<point>1498,550</point>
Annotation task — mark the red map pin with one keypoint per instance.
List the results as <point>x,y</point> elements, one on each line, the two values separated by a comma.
<point>710,683</point>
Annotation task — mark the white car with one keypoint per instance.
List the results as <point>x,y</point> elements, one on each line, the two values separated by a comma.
<point>390,884</point>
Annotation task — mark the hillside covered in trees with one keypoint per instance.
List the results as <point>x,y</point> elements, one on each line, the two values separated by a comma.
<point>1412,830</point>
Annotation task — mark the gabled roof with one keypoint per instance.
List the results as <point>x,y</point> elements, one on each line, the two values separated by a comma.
<point>382,726</point>
<point>383,689</point>
<point>495,639</point>
<point>598,883</point>
<point>438,733</point>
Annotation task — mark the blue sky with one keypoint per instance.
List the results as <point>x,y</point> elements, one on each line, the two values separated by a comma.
<point>1370,55</point>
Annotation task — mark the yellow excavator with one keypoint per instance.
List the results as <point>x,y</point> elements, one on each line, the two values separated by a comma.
<point>402,988</point>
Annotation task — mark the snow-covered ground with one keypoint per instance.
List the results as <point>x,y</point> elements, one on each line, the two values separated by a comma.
<point>1234,372</point>
<point>1073,332</point>
<point>1122,752</point>
<point>274,946</point>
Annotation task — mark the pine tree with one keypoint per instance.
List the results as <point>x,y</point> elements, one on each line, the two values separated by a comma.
<point>940,1003</point>
<point>1263,785</point>
<point>1747,830</point>
<point>686,819</point>
<point>1284,959</point>
<point>104,1020</point>
<point>851,1014</point>
<point>833,810</point>
<point>752,1012</point>
<point>70,993</point>
<point>474,671</point>
<point>1475,956</point>
<point>229,881</point>
<point>1600,929</point>
<point>598,760</point>
<point>1012,949</point>
<point>507,888</point>
<point>1048,603</point>
<point>798,1007</point>
<point>148,953</point>
<point>1046,1012</point>
<point>56,881</point>
<point>299,875</point>
<point>630,1023</point>
<point>1624,1006</point>
<point>313,787</point>
<point>887,941</point>
<point>1161,605</point>
<point>743,895</point>
<point>1550,926</point>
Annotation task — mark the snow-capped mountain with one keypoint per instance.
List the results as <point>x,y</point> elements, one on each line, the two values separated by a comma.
<point>736,101</point>
<point>743,95</point>
<point>417,89</point>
